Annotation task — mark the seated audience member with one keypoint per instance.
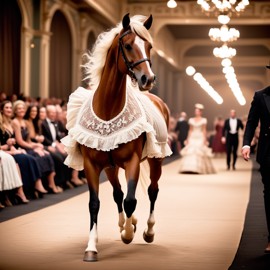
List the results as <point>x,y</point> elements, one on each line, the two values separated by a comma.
<point>31,176</point>
<point>34,149</point>
<point>10,176</point>
<point>52,137</point>
<point>10,180</point>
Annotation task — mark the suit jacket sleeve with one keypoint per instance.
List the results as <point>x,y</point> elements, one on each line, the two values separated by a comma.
<point>46,133</point>
<point>225,128</point>
<point>253,120</point>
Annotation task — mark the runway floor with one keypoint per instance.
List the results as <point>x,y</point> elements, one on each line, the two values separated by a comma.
<point>199,223</point>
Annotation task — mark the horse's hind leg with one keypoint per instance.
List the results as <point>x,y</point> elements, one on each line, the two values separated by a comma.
<point>155,173</point>
<point>118,195</point>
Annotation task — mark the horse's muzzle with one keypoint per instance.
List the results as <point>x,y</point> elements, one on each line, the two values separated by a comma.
<point>146,82</point>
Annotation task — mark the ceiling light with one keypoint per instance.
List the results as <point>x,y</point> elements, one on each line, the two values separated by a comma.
<point>190,70</point>
<point>204,84</point>
<point>171,4</point>
<point>223,19</point>
<point>233,83</point>
<point>226,62</point>
<point>224,52</point>
<point>224,34</point>
<point>219,7</point>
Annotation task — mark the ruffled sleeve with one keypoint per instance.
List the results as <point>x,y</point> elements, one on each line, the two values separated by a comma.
<point>75,102</point>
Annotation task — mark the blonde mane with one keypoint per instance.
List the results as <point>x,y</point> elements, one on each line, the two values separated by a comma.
<point>95,60</point>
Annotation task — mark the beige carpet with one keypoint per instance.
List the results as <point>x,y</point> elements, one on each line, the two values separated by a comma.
<point>199,221</point>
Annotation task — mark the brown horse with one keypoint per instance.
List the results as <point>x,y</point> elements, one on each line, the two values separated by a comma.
<point>129,54</point>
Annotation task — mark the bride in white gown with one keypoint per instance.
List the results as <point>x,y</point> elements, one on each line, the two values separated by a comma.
<point>196,155</point>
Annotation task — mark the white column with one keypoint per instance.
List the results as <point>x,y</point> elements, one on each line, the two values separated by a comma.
<point>25,68</point>
<point>44,65</point>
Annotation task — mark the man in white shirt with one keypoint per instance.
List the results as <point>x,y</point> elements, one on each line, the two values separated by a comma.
<point>230,137</point>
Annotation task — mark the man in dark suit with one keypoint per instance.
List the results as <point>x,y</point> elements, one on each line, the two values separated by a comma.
<point>181,129</point>
<point>260,113</point>
<point>231,138</point>
<point>52,136</point>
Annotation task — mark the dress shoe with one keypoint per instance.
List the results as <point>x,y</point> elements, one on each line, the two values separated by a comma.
<point>39,193</point>
<point>77,182</point>
<point>20,200</point>
<point>8,202</point>
<point>55,190</point>
<point>267,249</point>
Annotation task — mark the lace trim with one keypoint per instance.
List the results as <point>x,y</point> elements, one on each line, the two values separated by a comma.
<point>127,118</point>
<point>138,115</point>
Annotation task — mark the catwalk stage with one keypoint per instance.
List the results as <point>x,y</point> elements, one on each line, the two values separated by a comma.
<point>199,223</point>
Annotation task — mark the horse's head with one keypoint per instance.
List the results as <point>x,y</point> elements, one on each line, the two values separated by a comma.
<point>135,46</point>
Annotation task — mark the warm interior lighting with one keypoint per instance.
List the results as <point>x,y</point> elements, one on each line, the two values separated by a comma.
<point>223,10</point>
<point>190,70</point>
<point>223,19</point>
<point>198,77</point>
<point>227,7</point>
<point>224,34</point>
<point>233,83</point>
<point>226,62</point>
<point>171,4</point>
<point>224,52</point>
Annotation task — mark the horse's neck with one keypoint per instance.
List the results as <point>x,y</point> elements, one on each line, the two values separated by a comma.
<point>109,98</point>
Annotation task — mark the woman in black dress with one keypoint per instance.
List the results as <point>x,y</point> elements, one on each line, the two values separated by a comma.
<point>30,173</point>
<point>34,149</point>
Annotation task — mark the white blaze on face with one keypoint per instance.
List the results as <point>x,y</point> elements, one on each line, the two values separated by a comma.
<point>140,43</point>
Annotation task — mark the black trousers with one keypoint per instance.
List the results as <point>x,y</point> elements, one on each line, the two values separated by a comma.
<point>231,148</point>
<point>265,173</point>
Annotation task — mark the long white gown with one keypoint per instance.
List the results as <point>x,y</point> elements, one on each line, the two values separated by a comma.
<point>9,175</point>
<point>196,156</point>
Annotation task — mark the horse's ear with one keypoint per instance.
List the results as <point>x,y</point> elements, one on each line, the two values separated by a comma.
<point>147,24</point>
<point>126,21</point>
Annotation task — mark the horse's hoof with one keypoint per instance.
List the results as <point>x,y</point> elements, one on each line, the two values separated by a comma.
<point>148,238</point>
<point>126,240</point>
<point>90,256</point>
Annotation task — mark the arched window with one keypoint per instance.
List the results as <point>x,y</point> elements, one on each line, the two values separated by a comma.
<point>10,46</point>
<point>60,57</point>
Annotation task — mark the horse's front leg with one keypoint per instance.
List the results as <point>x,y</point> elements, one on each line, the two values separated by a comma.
<point>92,175</point>
<point>132,170</point>
<point>118,195</point>
<point>155,173</point>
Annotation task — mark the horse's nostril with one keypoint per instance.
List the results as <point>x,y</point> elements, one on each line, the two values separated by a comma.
<point>144,79</point>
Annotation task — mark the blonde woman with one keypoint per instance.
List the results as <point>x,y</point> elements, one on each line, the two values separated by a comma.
<point>10,176</point>
<point>35,149</point>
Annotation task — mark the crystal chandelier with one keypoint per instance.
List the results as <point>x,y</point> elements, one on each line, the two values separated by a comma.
<point>224,34</point>
<point>223,7</point>
<point>224,52</point>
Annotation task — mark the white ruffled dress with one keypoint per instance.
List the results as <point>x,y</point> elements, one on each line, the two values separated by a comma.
<point>196,156</point>
<point>86,128</point>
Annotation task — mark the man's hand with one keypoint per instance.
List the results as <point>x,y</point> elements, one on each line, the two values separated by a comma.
<point>246,153</point>
<point>223,140</point>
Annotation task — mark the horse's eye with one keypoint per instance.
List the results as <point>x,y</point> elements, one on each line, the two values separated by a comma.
<point>128,47</point>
